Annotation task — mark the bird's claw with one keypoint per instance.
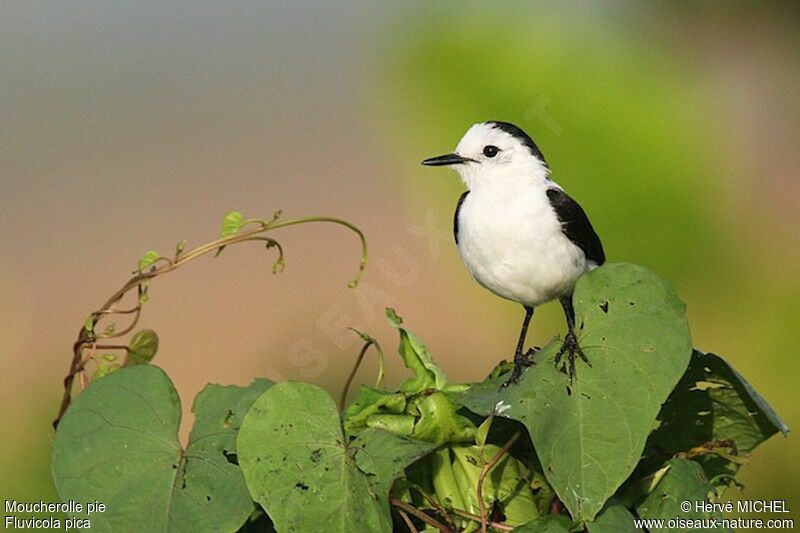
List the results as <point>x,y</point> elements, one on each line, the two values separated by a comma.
<point>571,348</point>
<point>521,362</point>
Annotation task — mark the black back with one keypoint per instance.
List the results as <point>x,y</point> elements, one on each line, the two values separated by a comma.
<point>455,218</point>
<point>576,225</point>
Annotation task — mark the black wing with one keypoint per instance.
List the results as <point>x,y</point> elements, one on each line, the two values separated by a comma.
<point>455,217</point>
<point>576,225</point>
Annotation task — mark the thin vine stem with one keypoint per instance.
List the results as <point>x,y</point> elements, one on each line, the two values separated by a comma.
<point>368,341</point>
<point>432,501</point>
<point>162,265</point>
<point>410,509</point>
<point>275,224</point>
<point>407,520</point>
<point>491,464</point>
<point>496,525</point>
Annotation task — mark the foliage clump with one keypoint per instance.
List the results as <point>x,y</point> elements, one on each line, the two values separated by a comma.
<point>650,424</point>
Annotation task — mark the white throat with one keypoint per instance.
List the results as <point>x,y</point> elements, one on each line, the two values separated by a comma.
<point>511,176</point>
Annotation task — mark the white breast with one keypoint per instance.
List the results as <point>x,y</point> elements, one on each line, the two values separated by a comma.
<point>512,243</point>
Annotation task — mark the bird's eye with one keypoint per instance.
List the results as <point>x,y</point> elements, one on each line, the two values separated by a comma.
<point>490,150</point>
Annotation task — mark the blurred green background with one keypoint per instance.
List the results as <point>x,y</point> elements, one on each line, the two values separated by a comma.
<point>127,127</point>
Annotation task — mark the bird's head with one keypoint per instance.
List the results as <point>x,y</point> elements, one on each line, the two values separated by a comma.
<point>492,152</point>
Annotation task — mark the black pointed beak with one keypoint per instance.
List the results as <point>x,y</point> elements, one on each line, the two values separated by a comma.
<point>447,159</point>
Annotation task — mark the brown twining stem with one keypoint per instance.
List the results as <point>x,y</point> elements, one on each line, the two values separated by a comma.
<point>435,504</point>
<point>87,337</point>
<point>407,520</point>
<point>491,464</point>
<point>369,341</point>
<point>496,525</point>
<point>400,504</point>
<point>94,347</point>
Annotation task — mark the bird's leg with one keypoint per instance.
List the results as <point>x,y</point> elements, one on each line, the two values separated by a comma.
<point>570,346</point>
<point>521,361</point>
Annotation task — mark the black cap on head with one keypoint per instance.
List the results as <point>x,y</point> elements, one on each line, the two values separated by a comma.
<point>521,136</point>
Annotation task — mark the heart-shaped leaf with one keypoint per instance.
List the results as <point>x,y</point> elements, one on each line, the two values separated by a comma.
<point>118,443</point>
<point>713,409</point>
<point>633,330</point>
<point>301,468</point>
<point>142,347</point>
<point>231,223</point>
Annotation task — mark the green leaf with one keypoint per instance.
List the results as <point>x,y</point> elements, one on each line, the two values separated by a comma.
<point>442,475</point>
<point>88,325</point>
<point>507,483</point>
<point>383,456</point>
<point>370,402</point>
<point>683,481</point>
<point>148,259</point>
<point>633,329</point>
<point>614,518</point>
<point>482,433</point>
<point>713,406</point>
<point>142,347</point>
<point>118,443</point>
<point>415,355</point>
<point>397,424</point>
<point>295,456</point>
<point>714,402</point>
<point>546,524</point>
<point>455,390</point>
<point>105,367</point>
<point>231,223</point>
<point>438,421</point>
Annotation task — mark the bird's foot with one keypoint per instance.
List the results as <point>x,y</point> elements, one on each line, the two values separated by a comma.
<point>571,348</point>
<point>521,362</point>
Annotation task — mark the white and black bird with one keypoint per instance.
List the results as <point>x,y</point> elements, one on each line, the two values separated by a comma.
<point>519,234</point>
